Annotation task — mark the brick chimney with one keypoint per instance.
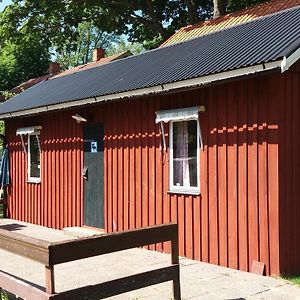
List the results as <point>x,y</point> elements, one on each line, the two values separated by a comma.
<point>54,68</point>
<point>98,53</point>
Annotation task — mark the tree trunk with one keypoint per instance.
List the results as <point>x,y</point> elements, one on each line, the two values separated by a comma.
<point>192,11</point>
<point>219,8</point>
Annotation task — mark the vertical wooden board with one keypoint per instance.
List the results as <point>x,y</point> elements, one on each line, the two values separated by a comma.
<point>159,183</point>
<point>53,187</point>
<point>138,163</point>
<point>166,200</point>
<point>181,224</point>
<point>107,163</point>
<point>222,174</point>
<point>44,172</point>
<point>60,180</point>
<point>120,166</point>
<point>57,163</point>
<point>273,176</point>
<point>115,163</point>
<point>80,180</point>
<point>145,162</point>
<point>242,176</point>
<point>126,170</point>
<point>204,181</point>
<point>213,182</point>
<point>196,230</point>
<point>252,172</point>
<point>295,172</point>
<point>232,114</point>
<point>263,178</point>
<point>132,178</point>
<point>72,177</point>
<point>67,173</point>
<point>189,236</point>
<point>153,131</point>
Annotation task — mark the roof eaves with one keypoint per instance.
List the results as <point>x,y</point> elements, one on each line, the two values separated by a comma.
<point>158,89</point>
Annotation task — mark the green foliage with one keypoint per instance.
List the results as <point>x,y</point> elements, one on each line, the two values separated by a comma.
<point>2,129</point>
<point>3,295</point>
<point>122,45</point>
<point>56,22</point>
<point>7,95</point>
<point>21,61</point>
<point>80,51</point>
<point>295,279</point>
<point>30,29</point>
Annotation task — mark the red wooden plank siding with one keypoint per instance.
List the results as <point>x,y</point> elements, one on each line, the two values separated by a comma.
<point>249,147</point>
<point>289,165</point>
<point>56,202</point>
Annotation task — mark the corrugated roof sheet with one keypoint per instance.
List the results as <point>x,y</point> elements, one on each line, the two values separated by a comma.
<point>263,40</point>
<point>229,20</point>
<point>94,64</point>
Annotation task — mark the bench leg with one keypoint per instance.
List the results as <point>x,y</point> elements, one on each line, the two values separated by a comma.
<point>49,272</point>
<point>176,286</point>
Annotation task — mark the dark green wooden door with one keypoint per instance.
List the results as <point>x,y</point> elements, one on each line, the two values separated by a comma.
<point>93,173</point>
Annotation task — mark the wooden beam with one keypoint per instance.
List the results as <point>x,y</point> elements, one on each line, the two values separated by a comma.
<point>49,274</point>
<point>175,260</point>
<point>121,285</point>
<point>66,251</point>
<point>26,246</point>
<point>21,288</point>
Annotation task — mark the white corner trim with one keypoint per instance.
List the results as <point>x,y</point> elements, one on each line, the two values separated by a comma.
<point>287,62</point>
<point>159,89</point>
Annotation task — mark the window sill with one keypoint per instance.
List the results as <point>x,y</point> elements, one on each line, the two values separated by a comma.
<point>184,192</point>
<point>34,180</point>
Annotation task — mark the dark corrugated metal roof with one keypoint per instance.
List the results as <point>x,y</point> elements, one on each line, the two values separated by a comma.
<point>263,40</point>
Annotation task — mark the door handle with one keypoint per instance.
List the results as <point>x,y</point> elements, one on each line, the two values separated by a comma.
<point>84,172</point>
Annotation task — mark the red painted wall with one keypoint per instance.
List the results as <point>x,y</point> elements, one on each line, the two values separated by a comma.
<point>237,217</point>
<point>289,166</point>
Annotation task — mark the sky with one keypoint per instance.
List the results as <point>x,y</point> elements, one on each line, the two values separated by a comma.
<point>4,3</point>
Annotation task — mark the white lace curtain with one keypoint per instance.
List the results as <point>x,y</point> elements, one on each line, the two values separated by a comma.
<point>181,160</point>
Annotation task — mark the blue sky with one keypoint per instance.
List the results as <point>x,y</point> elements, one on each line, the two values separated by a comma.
<point>4,3</point>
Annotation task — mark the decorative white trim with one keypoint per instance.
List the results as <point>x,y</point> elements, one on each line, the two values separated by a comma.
<point>178,114</point>
<point>159,89</point>
<point>28,130</point>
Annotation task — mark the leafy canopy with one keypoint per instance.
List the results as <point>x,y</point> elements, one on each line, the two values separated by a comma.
<point>31,31</point>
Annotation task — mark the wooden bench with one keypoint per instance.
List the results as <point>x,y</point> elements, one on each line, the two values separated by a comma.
<point>50,254</point>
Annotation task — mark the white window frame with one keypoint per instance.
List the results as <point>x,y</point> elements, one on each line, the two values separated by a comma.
<point>179,115</point>
<point>181,189</point>
<point>30,178</point>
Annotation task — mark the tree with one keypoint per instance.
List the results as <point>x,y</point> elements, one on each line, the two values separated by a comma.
<point>20,62</point>
<point>219,8</point>
<point>146,21</point>
<point>74,53</point>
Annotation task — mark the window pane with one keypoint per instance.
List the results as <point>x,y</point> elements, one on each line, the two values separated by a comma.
<point>34,157</point>
<point>185,154</point>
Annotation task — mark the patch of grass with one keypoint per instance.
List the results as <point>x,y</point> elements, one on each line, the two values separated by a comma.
<point>295,279</point>
<point>1,211</point>
<point>3,295</point>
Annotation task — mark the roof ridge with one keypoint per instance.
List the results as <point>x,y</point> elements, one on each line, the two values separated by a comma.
<point>234,26</point>
<point>222,19</point>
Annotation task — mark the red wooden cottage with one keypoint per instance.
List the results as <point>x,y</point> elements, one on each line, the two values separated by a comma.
<point>203,132</point>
